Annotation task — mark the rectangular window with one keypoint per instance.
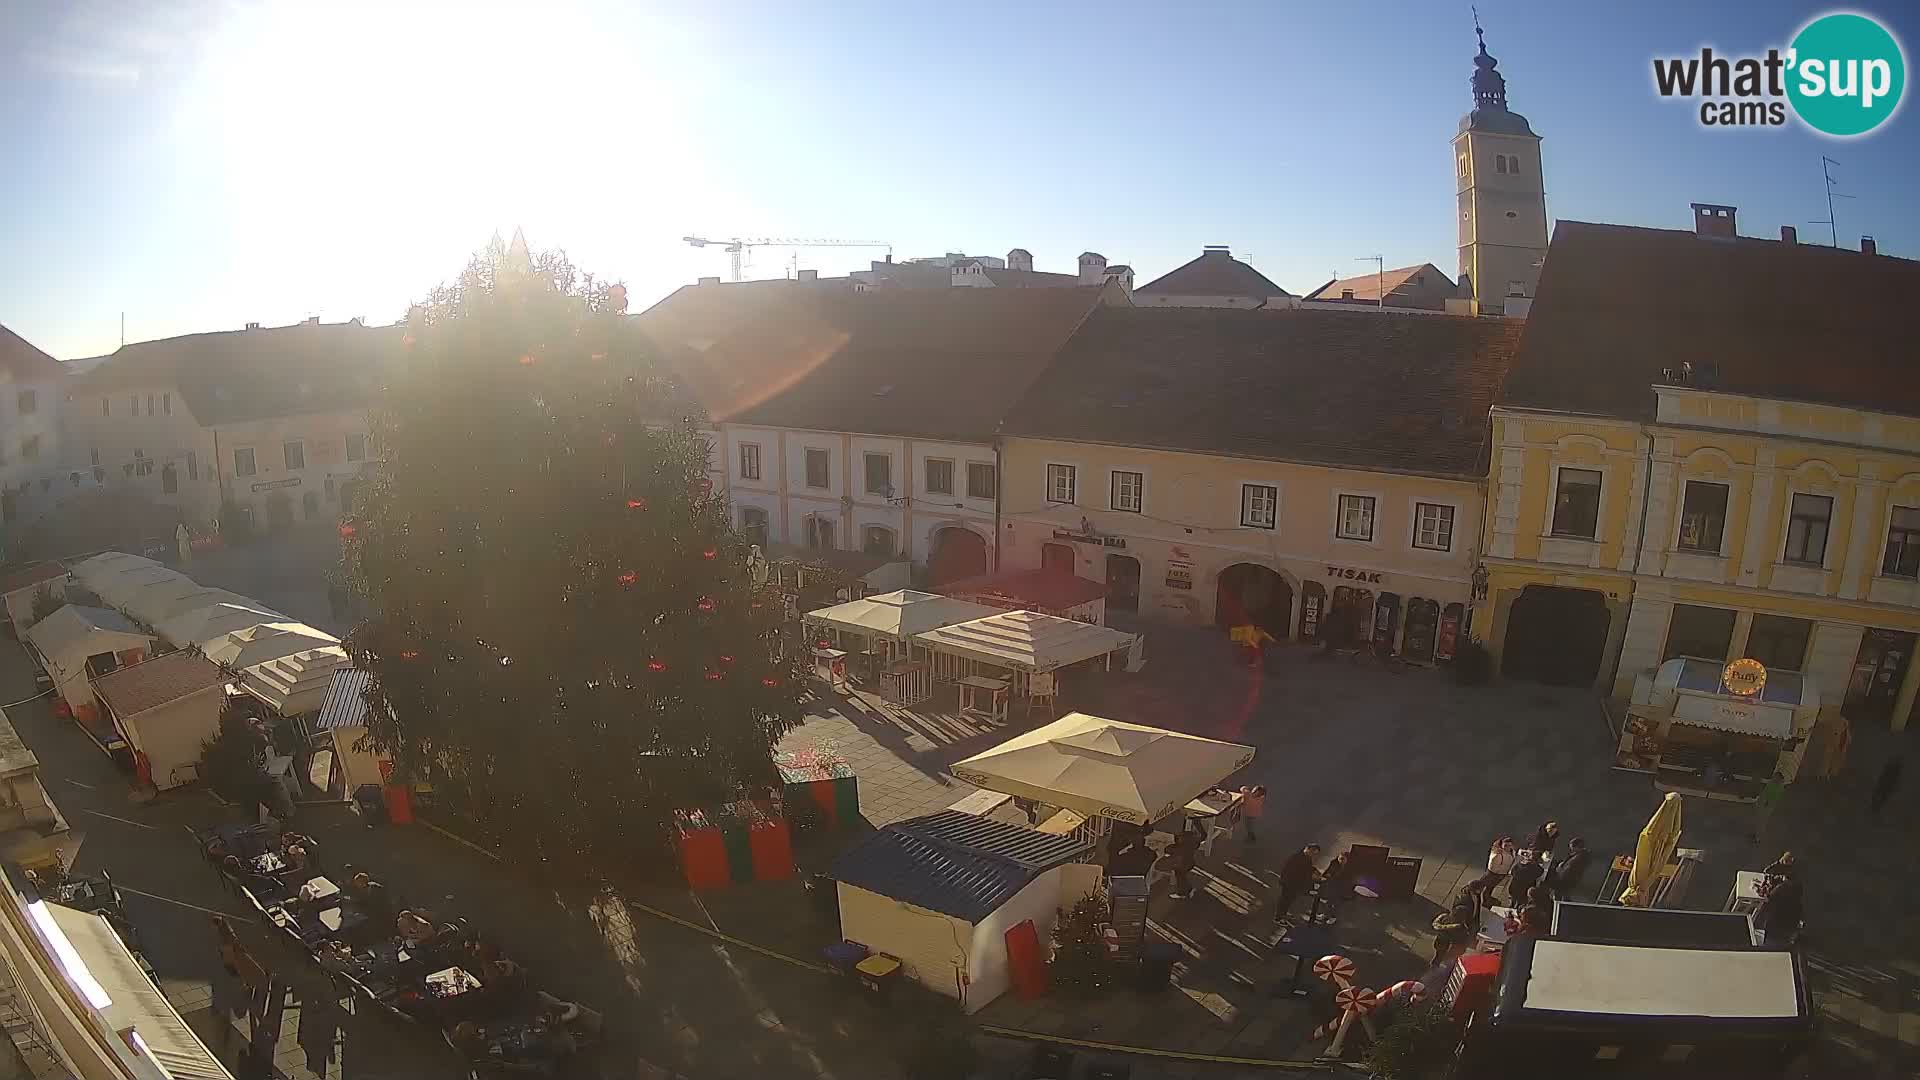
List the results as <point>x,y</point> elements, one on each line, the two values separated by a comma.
<point>820,532</point>
<point>749,461</point>
<point>193,465</point>
<point>983,481</point>
<point>1356,518</point>
<point>106,406</point>
<point>296,454</point>
<point>1061,483</point>
<point>1576,506</point>
<point>1705,632</point>
<point>1903,544</point>
<point>166,404</point>
<point>1433,526</point>
<point>880,475</point>
<point>1703,517</point>
<point>819,464</point>
<point>1259,506</point>
<point>143,467</point>
<point>1807,530</point>
<point>30,448</point>
<point>879,541</point>
<point>149,404</point>
<point>939,476</point>
<point>169,480</point>
<point>28,401</point>
<point>1779,642</point>
<point>243,462</point>
<point>357,447</point>
<point>1128,491</point>
<point>133,404</point>
<point>96,456</point>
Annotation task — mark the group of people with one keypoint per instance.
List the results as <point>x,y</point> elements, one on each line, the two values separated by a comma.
<point>1532,876</point>
<point>1782,903</point>
<point>408,960</point>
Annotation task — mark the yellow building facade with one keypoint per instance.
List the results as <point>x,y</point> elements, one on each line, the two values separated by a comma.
<point>1732,525</point>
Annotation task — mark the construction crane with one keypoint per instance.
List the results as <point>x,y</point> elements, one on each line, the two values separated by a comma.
<point>738,248</point>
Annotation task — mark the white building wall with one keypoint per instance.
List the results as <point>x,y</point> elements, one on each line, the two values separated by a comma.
<point>989,974</point>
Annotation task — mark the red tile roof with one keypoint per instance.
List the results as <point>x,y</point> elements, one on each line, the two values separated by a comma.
<point>28,576</point>
<point>1214,273</point>
<point>150,684</point>
<point>936,364</point>
<point>1794,321</point>
<point>1347,388</point>
<point>1429,291</point>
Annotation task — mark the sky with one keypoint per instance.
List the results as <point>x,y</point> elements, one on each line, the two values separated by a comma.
<point>199,164</point>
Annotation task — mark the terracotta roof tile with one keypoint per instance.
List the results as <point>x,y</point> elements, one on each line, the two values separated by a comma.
<point>150,684</point>
<point>1214,273</point>
<point>28,576</point>
<point>1398,283</point>
<point>1796,321</point>
<point>1345,388</point>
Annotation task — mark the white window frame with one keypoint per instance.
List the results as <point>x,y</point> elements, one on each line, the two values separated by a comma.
<point>993,470</point>
<point>1786,528</point>
<point>348,449</point>
<point>1272,523</point>
<point>1453,524</point>
<point>1340,517</point>
<point>1114,494</point>
<point>1599,510</point>
<point>926,476</point>
<point>289,444</point>
<point>758,468</point>
<point>1680,518</point>
<point>766,522</point>
<point>866,473</point>
<point>806,468</point>
<point>1072,477</point>
<point>253,461</point>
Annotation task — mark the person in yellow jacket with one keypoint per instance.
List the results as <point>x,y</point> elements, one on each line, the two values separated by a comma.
<point>1253,639</point>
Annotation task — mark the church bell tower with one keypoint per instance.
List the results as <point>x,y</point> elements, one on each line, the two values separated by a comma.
<point>1502,198</point>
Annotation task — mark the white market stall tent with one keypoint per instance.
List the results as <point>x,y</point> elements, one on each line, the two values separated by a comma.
<point>1025,643</point>
<point>70,637</point>
<point>1106,768</point>
<point>897,616</point>
<point>205,626</point>
<point>122,587</point>
<point>156,604</point>
<point>257,644</point>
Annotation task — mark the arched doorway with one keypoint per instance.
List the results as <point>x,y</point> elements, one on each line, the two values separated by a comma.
<point>1123,583</point>
<point>1555,635</point>
<point>279,511</point>
<point>1249,593</point>
<point>957,553</point>
<point>1423,624</point>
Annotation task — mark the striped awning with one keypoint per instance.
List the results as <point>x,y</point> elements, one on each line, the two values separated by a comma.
<point>346,704</point>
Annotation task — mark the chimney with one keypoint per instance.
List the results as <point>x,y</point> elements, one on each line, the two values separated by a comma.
<point>809,275</point>
<point>1217,249</point>
<point>313,320</point>
<point>253,326</point>
<point>1868,247</point>
<point>1093,267</point>
<point>1020,259</point>
<point>1346,294</point>
<point>709,281</point>
<point>1789,234</point>
<point>1712,219</point>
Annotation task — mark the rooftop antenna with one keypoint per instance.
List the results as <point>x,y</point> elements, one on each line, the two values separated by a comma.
<point>1379,275</point>
<point>1832,221</point>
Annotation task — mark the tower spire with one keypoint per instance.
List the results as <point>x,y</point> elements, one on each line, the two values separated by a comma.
<point>1489,86</point>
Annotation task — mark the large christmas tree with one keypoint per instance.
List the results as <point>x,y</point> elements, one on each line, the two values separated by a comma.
<point>567,629</point>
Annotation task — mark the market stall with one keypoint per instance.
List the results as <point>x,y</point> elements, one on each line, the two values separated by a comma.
<point>240,649</point>
<point>1108,769</point>
<point>882,628</point>
<point>1718,731</point>
<point>335,762</point>
<point>166,708</point>
<point>77,643</point>
<point>203,626</point>
<point>155,604</point>
<point>1025,647</point>
<point>1049,591</point>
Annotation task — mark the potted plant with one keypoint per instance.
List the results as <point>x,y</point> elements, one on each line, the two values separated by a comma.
<point>1419,1039</point>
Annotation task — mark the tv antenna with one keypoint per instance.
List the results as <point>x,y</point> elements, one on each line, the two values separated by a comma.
<point>1832,221</point>
<point>1379,275</point>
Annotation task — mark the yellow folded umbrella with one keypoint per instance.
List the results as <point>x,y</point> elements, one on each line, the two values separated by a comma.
<point>1650,855</point>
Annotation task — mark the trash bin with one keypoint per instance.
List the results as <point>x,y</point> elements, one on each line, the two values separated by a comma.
<point>844,956</point>
<point>878,974</point>
<point>1156,964</point>
<point>370,802</point>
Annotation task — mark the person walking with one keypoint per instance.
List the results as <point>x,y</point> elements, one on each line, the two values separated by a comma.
<point>1181,859</point>
<point>1500,860</point>
<point>1453,929</point>
<point>1253,803</point>
<point>1297,875</point>
<point>1782,910</point>
<point>1543,841</point>
<point>1883,787</point>
<point>1770,794</point>
<point>1526,874</point>
<point>1565,874</point>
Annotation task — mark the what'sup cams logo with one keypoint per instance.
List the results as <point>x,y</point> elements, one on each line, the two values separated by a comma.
<point>1844,75</point>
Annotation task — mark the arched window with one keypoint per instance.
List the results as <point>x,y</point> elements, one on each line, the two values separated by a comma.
<point>1500,163</point>
<point>753,523</point>
<point>878,540</point>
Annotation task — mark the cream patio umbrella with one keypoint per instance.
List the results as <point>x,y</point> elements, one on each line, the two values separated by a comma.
<point>1657,843</point>
<point>1105,768</point>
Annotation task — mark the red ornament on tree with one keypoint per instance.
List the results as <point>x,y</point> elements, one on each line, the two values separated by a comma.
<point>409,654</point>
<point>629,577</point>
<point>715,676</point>
<point>637,504</point>
<point>709,554</point>
<point>347,531</point>
<point>527,360</point>
<point>703,486</point>
<point>707,604</point>
<point>769,681</point>
<point>726,659</point>
<point>656,665</point>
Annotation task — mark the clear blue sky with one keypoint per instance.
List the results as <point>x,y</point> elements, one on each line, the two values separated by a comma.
<point>199,165</point>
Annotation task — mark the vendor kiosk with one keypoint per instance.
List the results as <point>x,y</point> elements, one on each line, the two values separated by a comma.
<point>1718,731</point>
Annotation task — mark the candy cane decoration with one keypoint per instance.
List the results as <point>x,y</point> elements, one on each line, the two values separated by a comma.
<point>1335,969</point>
<point>1412,991</point>
<point>1354,1002</point>
<point>1355,999</point>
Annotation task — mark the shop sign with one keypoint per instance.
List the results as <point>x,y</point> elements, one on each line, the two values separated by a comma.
<point>269,485</point>
<point>1745,677</point>
<point>1179,575</point>
<point>1371,577</point>
<point>1089,538</point>
<point>1737,713</point>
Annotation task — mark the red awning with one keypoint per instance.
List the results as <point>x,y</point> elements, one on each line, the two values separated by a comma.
<point>1040,590</point>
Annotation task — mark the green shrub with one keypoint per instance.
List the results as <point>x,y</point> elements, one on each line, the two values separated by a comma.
<point>1080,958</point>
<point>1420,1038</point>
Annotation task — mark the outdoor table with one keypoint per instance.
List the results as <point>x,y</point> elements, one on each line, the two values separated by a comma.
<point>1493,928</point>
<point>269,862</point>
<point>973,686</point>
<point>1745,897</point>
<point>318,889</point>
<point>450,982</point>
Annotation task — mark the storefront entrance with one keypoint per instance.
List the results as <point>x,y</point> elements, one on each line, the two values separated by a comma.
<point>957,554</point>
<point>1254,594</point>
<point>1123,583</point>
<point>1423,623</point>
<point>1555,635</point>
<point>1878,672</point>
